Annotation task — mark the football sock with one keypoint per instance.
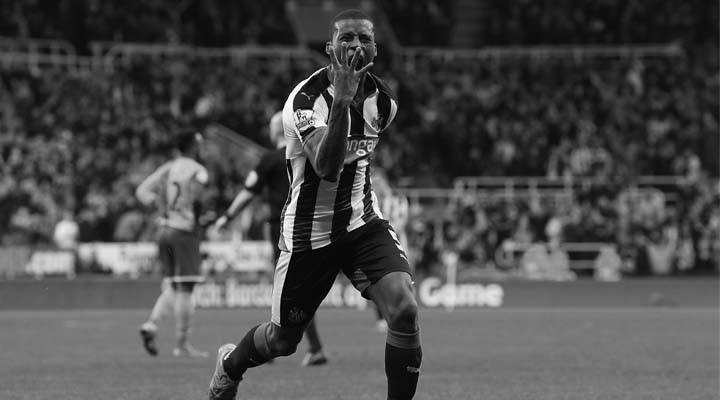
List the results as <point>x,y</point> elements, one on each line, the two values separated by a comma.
<point>250,352</point>
<point>183,315</point>
<point>163,305</point>
<point>313,338</point>
<point>403,356</point>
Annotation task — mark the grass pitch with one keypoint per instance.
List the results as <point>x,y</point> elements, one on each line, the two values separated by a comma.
<point>585,354</point>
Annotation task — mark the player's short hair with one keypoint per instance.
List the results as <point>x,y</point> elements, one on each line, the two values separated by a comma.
<point>185,140</point>
<point>348,14</point>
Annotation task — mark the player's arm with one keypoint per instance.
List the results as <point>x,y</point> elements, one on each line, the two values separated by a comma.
<point>238,204</point>
<point>326,146</point>
<point>253,186</point>
<point>197,187</point>
<point>147,191</point>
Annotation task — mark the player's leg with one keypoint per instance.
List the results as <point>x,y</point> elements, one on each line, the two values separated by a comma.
<point>393,294</point>
<point>381,272</point>
<point>380,323</point>
<point>315,355</point>
<point>301,282</point>
<point>261,343</point>
<point>186,246</point>
<point>184,312</point>
<point>165,302</point>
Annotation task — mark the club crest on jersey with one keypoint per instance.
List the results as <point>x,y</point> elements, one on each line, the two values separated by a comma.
<point>304,119</point>
<point>296,315</point>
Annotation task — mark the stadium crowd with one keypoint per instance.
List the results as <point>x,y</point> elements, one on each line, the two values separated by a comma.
<point>204,23</point>
<point>608,21</point>
<point>78,145</point>
<point>422,23</point>
<point>560,117</point>
<point>650,235</point>
<point>83,143</point>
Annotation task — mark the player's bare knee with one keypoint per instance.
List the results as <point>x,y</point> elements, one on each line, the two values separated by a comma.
<point>403,316</point>
<point>394,294</point>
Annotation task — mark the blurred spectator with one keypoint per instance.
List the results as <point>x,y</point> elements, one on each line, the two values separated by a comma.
<point>607,267</point>
<point>661,249</point>
<point>66,232</point>
<point>548,261</point>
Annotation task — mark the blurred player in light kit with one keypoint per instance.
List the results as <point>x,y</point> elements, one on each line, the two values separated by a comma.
<point>175,190</point>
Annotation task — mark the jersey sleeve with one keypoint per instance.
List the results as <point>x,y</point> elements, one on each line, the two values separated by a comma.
<point>304,114</point>
<point>392,114</point>
<point>152,186</point>
<point>387,103</point>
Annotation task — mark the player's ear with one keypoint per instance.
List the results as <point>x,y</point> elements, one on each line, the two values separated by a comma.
<point>328,47</point>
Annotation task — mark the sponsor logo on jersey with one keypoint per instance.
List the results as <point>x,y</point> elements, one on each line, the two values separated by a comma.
<point>361,147</point>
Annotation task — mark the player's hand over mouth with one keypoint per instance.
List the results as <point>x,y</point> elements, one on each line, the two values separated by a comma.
<point>345,76</point>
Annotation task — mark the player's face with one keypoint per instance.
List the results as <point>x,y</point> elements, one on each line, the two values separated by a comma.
<point>359,35</point>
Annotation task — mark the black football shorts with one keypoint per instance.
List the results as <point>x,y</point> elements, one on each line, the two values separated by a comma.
<point>303,279</point>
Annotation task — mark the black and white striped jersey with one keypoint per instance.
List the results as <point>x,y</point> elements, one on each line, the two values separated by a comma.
<point>318,211</point>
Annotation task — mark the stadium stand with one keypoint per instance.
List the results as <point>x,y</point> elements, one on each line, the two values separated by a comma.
<point>460,24</point>
<point>85,117</point>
